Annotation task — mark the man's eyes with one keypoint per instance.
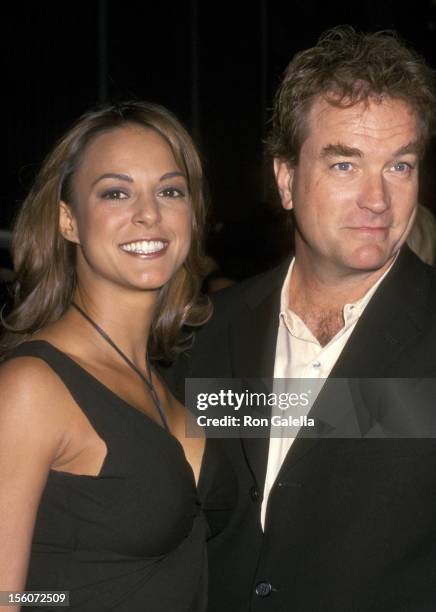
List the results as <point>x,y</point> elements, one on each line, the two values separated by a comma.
<point>402,167</point>
<point>399,167</point>
<point>343,166</point>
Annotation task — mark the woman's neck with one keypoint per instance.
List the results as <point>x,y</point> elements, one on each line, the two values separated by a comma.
<point>125,318</point>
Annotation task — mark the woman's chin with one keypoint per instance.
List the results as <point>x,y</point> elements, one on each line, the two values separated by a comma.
<point>151,282</point>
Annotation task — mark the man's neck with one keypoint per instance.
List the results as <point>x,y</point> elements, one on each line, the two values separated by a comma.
<point>319,300</point>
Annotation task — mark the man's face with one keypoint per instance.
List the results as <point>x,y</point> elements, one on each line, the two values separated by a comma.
<point>354,190</point>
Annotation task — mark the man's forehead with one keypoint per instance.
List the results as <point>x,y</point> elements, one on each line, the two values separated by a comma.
<point>379,118</point>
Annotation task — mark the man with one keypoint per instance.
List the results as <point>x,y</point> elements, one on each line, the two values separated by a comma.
<point>333,524</point>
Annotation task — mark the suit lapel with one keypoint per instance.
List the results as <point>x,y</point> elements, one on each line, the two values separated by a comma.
<point>392,319</point>
<point>253,337</point>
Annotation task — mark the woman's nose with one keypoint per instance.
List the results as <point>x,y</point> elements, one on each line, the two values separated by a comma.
<point>147,211</point>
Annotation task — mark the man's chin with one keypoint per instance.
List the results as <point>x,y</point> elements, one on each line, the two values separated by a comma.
<point>371,258</point>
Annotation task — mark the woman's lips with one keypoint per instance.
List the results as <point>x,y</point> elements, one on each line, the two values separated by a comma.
<point>146,248</point>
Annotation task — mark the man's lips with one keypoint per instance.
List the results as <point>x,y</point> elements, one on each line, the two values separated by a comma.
<point>369,228</point>
<point>368,233</point>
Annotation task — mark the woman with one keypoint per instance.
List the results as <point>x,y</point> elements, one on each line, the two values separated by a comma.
<point>98,493</point>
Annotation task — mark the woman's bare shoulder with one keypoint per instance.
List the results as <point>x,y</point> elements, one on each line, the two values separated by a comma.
<point>25,373</point>
<point>31,391</point>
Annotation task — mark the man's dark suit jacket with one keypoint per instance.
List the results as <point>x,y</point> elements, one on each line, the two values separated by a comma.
<point>351,523</point>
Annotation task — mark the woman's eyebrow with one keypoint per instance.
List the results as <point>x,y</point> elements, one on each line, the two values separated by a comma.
<point>169,175</point>
<point>129,179</point>
<point>113,175</point>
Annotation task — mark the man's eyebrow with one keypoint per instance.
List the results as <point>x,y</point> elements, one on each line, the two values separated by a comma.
<point>169,175</point>
<point>341,150</point>
<point>113,175</point>
<point>411,147</point>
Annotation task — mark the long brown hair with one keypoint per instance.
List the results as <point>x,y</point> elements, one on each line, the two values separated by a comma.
<point>44,261</point>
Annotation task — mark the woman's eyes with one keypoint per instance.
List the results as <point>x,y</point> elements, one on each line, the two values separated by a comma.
<point>120,194</point>
<point>172,192</point>
<point>114,194</point>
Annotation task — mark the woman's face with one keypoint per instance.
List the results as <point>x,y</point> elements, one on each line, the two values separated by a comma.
<point>131,215</point>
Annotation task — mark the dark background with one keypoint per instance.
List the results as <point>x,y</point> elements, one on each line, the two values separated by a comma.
<point>215,64</point>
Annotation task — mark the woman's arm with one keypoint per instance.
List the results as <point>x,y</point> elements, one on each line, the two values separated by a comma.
<point>31,436</point>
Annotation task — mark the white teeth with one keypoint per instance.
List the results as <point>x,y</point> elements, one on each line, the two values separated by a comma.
<point>144,247</point>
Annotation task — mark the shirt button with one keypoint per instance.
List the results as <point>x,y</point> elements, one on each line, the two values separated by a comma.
<point>263,589</point>
<point>254,493</point>
<point>316,364</point>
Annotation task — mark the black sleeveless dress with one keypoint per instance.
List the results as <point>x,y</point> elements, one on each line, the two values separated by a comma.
<point>132,538</point>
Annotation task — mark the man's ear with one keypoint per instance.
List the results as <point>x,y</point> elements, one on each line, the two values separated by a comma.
<point>284,174</point>
<point>67,223</point>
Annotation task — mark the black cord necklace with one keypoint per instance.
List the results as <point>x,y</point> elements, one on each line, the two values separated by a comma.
<point>149,383</point>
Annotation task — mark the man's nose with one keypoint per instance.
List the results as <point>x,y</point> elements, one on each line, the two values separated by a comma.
<point>374,194</point>
<point>146,211</point>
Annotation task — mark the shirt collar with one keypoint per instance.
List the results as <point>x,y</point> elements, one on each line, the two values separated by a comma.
<point>351,311</point>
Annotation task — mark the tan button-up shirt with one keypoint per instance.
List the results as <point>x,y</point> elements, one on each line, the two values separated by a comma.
<point>299,355</point>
